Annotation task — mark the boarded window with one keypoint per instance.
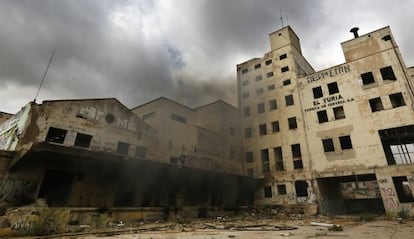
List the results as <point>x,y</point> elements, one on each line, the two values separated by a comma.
<point>248,132</point>
<point>178,118</point>
<point>265,160</point>
<point>246,111</point>
<point>376,104</point>
<point>260,108</point>
<point>269,74</point>
<point>333,88</point>
<point>287,82</point>
<point>283,56</point>
<point>257,66</point>
<point>289,100</point>
<point>317,92</point>
<point>268,62</point>
<point>83,140</point>
<point>284,69</point>
<point>281,189</point>
<point>268,191</point>
<point>272,104</point>
<point>322,116</point>
<point>278,158</point>
<point>328,145</point>
<point>397,100</point>
<point>367,78</point>
<point>292,123</point>
<point>249,157</point>
<point>345,142</point>
<point>56,135</point>
<point>387,73</point>
<point>403,189</point>
<point>262,129</point>
<point>339,112</point>
<point>275,126</point>
<point>122,148</point>
<point>141,151</point>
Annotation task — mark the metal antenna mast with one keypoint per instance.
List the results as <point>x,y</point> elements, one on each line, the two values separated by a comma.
<point>281,18</point>
<point>44,75</point>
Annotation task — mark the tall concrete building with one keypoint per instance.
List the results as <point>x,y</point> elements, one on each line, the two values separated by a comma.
<point>340,138</point>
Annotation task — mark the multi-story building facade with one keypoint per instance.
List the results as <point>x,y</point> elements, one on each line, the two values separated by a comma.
<point>341,137</point>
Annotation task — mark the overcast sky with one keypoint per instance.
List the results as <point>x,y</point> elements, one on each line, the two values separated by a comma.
<point>186,50</point>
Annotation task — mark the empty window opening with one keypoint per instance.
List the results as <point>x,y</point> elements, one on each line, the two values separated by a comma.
<point>246,111</point>
<point>397,100</point>
<point>249,157</point>
<point>268,62</point>
<point>367,78</point>
<point>284,69</point>
<point>278,158</point>
<point>258,78</point>
<point>297,156</point>
<point>265,160</point>
<point>149,115</point>
<point>328,145</point>
<point>345,142</point>
<point>245,82</point>
<point>317,92</point>
<point>275,126</point>
<point>301,188</point>
<point>387,73</point>
<point>245,95</point>
<point>262,129</point>
<point>260,108</point>
<point>403,189</point>
<point>83,140</point>
<point>141,151</point>
<point>244,71</point>
<point>289,100</point>
<point>322,116</point>
<point>269,74</point>
<point>122,148</point>
<point>333,88</point>
<point>281,189</point>
<point>376,104</point>
<point>257,66</point>
<point>178,118</point>
<point>268,191</point>
<point>248,132</point>
<point>292,123</point>
<point>272,104</point>
<point>403,153</point>
<point>287,82</point>
<point>56,135</point>
<point>283,56</point>
<point>297,164</point>
<point>271,87</point>
<point>339,112</point>
<point>56,187</point>
<point>386,38</point>
<point>259,91</point>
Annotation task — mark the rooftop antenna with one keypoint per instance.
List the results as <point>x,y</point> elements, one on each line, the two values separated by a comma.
<point>281,18</point>
<point>287,20</point>
<point>44,75</point>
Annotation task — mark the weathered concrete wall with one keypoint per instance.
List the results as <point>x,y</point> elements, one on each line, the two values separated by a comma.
<point>11,129</point>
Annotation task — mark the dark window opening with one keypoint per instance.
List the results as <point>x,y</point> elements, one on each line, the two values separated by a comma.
<point>297,164</point>
<point>397,100</point>
<point>265,160</point>
<point>247,132</point>
<point>278,158</point>
<point>403,189</point>
<point>178,118</point>
<point>281,189</point>
<point>289,100</point>
<point>244,71</point>
<point>296,152</point>
<point>367,78</point>
<point>272,104</point>
<point>317,92</point>
<point>56,187</point>
<point>333,88</point>
<point>269,74</point>
<point>339,112</point>
<point>345,142</point>
<point>258,78</point>
<point>110,118</point>
<point>283,56</point>
<point>275,126</point>
<point>83,140</point>
<point>122,148</point>
<point>386,38</point>
<point>328,145</point>
<point>268,62</point>
<point>376,104</point>
<point>292,123</point>
<point>268,191</point>
<point>141,151</point>
<point>387,73</point>
<point>249,157</point>
<point>260,108</point>
<point>284,69</point>
<point>287,82</point>
<point>56,135</point>
<point>246,111</point>
<point>322,116</point>
<point>301,188</point>
<point>257,66</point>
<point>262,129</point>
<point>271,87</point>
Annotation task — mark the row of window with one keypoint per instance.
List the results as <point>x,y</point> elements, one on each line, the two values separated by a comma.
<point>344,141</point>
<point>397,100</point>
<point>269,75</point>
<point>267,62</point>
<point>301,189</point>
<point>332,89</point>
<point>292,123</point>
<point>387,73</point>
<point>271,103</point>
<point>338,112</point>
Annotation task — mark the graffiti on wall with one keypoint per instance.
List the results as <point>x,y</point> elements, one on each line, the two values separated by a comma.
<point>11,129</point>
<point>17,191</point>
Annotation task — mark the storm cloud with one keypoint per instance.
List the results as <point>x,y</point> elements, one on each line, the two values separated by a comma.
<point>186,50</point>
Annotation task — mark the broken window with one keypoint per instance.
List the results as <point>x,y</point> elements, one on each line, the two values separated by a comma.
<point>83,140</point>
<point>275,126</point>
<point>269,74</point>
<point>317,92</point>
<point>265,160</point>
<point>260,108</point>
<point>268,191</point>
<point>403,189</point>
<point>339,112</point>
<point>245,82</point>
<point>284,69</point>
<point>56,135</point>
<point>249,157</point>
<point>178,118</point>
<point>262,129</point>
<point>345,142</point>
<point>328,145</point>
<point>270,87</point>
<point>259,91</point>
<point>257,66</point>
<point>272,104</point>
<point>278,158</point>
<point>297,156</point>
<point>244,71</point>
<point>301,188</point>
<point>245,95</point>
<point>122,148</point>
<point>376,104</point>
<point>292,123</point>
<point>287,82</point>
<point>246,111</point>
<point>258,78</point>
<point>387,73</point>
<point>141,151</point>
<point>248,132</point>
<point>281,189</point>
<point>289,100</point>
<point>322,116</point>
<point>283,56</point>
<point>268,62</point>
<point>333,88</point>
<point>397,100</point>
<point>403,153</point>
<point>367,78</point>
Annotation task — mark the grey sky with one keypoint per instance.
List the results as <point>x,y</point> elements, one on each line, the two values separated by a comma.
<point>186,50</point>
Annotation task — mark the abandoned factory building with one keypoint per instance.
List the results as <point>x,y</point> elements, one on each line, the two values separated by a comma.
<point>339,140</point>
